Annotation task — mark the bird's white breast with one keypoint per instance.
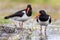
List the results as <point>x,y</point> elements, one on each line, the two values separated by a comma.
<point>44,22</point>
<point>24,17</point>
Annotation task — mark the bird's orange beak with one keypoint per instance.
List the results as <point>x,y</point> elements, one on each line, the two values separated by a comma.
<point>38,15</point>
<point>28,10</point>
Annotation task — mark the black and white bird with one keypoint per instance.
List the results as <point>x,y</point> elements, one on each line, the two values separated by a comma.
<point>22,15</point>
<point>43,19</point>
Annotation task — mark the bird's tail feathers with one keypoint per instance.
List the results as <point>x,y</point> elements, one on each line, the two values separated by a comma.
<point>6,17</point>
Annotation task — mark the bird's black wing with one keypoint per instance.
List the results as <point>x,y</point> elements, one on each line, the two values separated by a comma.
<point>50,20</point>
<point>19,14</point>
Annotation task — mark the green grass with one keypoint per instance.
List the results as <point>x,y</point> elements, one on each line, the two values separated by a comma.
<point>5,21</point>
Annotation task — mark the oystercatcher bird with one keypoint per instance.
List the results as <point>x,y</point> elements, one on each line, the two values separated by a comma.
<point>22,15</point>
<point>43,19</point>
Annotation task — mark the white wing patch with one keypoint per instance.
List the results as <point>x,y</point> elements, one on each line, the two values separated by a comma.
<point>24,12</point>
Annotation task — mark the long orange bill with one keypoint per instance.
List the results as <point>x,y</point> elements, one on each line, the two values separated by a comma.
<point>38,15</point>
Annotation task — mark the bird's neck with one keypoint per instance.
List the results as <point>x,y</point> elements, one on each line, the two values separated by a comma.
<point>29,13</point>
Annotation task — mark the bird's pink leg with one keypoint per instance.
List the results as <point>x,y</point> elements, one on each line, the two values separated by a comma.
<point>40,32</point>
<point>40,29</point>
<point>21,24</point>
<point>45,30</point>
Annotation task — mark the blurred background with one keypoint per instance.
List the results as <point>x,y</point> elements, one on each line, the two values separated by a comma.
<point>8,7</point>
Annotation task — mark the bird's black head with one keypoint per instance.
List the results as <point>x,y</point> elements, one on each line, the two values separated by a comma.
<point>29,6</point>
<point>42,12</point>
<point>29,10</point>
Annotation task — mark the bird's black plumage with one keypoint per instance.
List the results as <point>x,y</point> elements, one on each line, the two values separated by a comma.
<point>17,14</point>
<point>44,18</point>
